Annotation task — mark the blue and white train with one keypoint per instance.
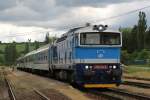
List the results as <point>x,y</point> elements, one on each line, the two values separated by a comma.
<point>88,56</point>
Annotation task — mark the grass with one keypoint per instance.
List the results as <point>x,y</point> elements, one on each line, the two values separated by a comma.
<point>142,71</point>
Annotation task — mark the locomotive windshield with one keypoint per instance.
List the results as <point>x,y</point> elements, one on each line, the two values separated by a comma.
<point>100,39</point>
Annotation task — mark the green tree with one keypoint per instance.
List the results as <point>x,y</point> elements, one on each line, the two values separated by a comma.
<point>52,39</point>
<point>132,40</point>
<point>14,52</point>
<point>1,60</point>
<point>47,40</point>
<point>37,45</point>
<point>142,26</point>
<point>125,37</point>
<point>26,48</point>
<point>7,54</point>
<point>10,54</point>
<point>147,39</point>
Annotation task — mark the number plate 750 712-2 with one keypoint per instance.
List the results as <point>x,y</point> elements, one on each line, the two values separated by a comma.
<point>100,67</point>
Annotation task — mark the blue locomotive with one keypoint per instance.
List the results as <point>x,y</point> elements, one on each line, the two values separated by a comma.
<point>88,56</point>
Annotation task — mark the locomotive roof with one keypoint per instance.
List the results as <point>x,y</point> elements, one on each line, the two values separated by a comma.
<point>90,29</point>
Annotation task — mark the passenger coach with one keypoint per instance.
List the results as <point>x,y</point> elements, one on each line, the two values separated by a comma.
<point>88,56</point>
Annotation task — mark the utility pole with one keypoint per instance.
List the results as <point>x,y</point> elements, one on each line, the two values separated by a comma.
<point>29,43</point>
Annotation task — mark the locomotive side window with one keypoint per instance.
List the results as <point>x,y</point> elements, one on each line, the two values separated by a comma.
<point>100,38</point>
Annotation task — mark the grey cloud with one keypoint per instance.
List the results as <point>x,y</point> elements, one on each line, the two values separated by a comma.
<point>50,13</point>
<point>19,13</point>
<point>31,10</point>
<point>95,3</point>
<point>39,5</point>
<point>6,4</point>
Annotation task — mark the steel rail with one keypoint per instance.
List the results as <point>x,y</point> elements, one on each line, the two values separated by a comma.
<point>139,84</point>
<point>130,94</point>
<point>10,90</point>
<point>104,94</point>
<point>137,78</point>
<point>41,94</point>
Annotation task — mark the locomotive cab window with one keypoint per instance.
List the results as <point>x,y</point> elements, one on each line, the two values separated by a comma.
<point>100,39</point>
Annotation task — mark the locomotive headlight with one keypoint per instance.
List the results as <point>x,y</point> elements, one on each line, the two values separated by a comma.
<point>86,67</point>
<point>100,28</point>
<point>114,66</point>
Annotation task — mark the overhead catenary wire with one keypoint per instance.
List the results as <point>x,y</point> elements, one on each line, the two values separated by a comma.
<point>120,15</point>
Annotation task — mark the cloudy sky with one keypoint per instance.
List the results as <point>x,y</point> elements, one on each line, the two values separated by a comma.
<point>21,20</point>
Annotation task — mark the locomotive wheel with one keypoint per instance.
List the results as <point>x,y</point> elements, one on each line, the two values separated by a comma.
<point>56,73</point>
<point>71,77</point>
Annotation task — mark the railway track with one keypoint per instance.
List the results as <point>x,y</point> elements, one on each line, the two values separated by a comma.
<point>104,95</point>
<point>116,94</point>
<point>137,78</point>
<point>9,87</point>
<point>10,90</point>
<point>130,94</point>
<point>43,97</point>
<point>138,84</point>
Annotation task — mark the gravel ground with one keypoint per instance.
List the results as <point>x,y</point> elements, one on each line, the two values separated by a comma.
<point>23,83</point>
<point>54,95</point>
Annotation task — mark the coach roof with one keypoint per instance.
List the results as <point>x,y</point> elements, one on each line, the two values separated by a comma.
<point>43,48</point>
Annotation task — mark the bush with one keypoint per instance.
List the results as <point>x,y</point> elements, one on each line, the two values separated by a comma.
<point>1,60</point>
<point>124,57</point>
<point>143,55</point>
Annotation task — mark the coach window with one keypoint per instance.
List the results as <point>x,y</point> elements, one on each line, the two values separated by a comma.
<point>70,57</point>
<point>39,56</point>
<point>46,55</point>
<point>45,58</point>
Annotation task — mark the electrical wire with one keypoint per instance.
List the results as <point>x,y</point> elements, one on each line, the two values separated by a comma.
<point>120,15</point>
